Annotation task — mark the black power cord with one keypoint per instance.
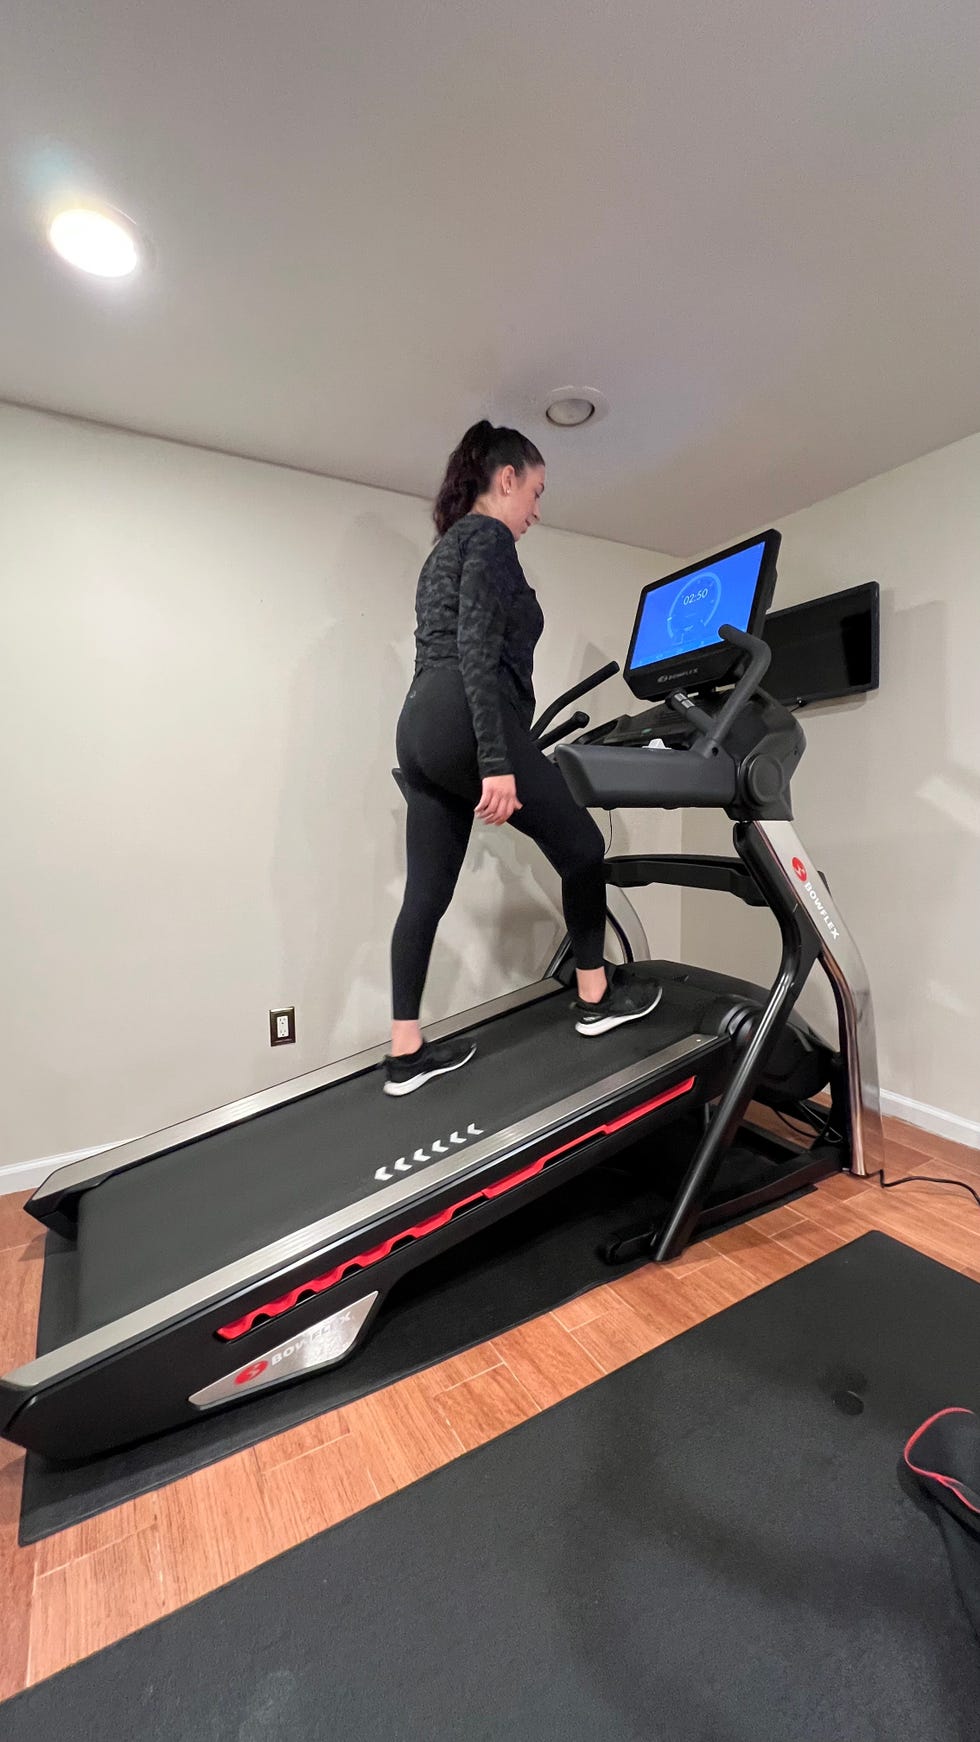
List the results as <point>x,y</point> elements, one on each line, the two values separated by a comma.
<point>805,1124</point>
<point>922,1179</point>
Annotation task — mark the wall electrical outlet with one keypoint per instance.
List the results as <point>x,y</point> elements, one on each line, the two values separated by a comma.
<point>282,1026</point>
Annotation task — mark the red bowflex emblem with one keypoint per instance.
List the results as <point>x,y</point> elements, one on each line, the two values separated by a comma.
<point>247,1374</point>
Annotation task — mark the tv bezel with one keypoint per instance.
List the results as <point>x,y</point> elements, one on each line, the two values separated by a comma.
<point>873,591</point>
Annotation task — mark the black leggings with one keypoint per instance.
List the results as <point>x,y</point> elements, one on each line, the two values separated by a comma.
<point>437,756</point>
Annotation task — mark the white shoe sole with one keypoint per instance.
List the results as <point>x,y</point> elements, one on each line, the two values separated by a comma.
<point>427,1076</point>
<point>604,1025</point>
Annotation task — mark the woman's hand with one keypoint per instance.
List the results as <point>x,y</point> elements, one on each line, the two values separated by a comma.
<point>500,800</point>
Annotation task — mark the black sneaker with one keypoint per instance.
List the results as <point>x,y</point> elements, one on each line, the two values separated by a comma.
<point>406,1074</point>
<point>626,1000</point>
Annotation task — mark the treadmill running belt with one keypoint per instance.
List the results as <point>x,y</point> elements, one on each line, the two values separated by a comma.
<point>181,1215</point>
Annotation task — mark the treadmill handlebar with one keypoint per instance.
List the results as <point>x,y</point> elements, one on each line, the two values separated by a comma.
<point>582,688</point>
<point>574,723</point>
<point>745,772</point>
<point>713,729</point>
<point>609,777</point>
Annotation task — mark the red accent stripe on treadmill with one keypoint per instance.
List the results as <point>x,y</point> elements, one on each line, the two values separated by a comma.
<point>318,1284</point>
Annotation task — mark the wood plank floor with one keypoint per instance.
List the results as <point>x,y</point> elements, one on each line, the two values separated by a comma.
<point>81,1590</point>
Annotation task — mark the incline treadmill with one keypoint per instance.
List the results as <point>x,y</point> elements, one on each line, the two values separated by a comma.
<point>244,1248</point>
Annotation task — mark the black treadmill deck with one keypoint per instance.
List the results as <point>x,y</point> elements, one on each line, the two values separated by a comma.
<point>158,1226</point>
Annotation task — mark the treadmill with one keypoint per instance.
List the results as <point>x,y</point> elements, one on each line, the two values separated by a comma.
<point>244,1248</point>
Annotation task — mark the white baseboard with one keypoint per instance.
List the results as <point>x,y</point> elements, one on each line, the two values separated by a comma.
<point>932,1119</point>
<point>26,1176</point>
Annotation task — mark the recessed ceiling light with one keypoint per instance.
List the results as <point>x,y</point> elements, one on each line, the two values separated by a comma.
<point>102,242</point>
<point>570,412</point>
<point>571,407</point>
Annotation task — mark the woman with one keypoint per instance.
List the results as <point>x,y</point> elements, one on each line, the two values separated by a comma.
<point>465,749</point>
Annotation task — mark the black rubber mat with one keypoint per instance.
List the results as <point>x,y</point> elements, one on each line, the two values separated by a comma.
<point>715,1544</point>
<point>527,1264</point>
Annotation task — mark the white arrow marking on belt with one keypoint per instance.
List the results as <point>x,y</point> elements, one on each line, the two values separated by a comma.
<point>382,1173</point>
<point>420,1155</point>
<point>455,1138</point>
<point>473,1131</point>
<point>403,1166</point>
<point>438,1148</point>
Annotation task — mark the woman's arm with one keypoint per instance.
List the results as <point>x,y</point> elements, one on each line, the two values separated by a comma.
<point>486,588</point>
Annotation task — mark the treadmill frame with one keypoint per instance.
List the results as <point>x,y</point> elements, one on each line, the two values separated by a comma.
<point>130,1364</point>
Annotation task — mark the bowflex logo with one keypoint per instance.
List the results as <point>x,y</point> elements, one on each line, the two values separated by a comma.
<point>804,876</point>
<point>248,1375</point>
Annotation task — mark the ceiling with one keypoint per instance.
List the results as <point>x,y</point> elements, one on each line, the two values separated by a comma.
<point>751,224</point>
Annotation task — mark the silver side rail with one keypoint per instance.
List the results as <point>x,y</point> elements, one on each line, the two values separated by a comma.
<point>842,962</point>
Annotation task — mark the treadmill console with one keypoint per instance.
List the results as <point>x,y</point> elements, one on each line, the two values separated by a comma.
<point>659,726</point>
<point>731,748</point>
<point>677,641</point>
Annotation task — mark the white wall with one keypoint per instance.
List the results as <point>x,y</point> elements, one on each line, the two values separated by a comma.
<point>201,664</point>
<point>888,795</point>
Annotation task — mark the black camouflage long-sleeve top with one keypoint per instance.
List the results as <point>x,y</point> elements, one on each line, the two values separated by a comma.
<point>475,609</point>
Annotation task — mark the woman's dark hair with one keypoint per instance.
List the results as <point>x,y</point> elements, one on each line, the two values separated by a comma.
<point>481,453</point>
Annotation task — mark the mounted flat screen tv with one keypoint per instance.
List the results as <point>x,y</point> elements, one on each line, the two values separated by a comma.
<point>825,649</point>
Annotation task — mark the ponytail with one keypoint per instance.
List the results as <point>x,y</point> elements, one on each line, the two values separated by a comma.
<point>481,453</point>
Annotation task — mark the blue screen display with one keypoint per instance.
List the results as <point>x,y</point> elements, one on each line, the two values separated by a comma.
<point>686,614</point>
